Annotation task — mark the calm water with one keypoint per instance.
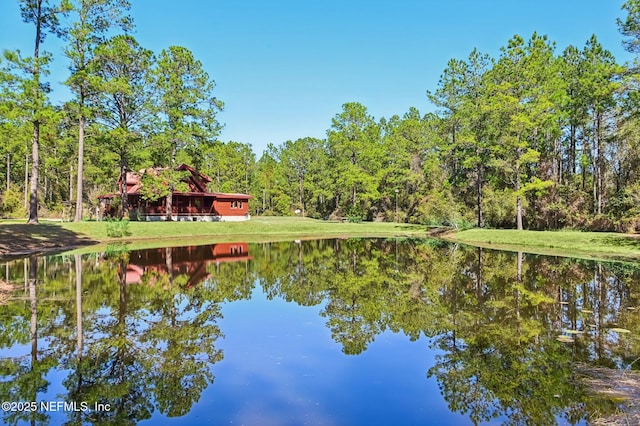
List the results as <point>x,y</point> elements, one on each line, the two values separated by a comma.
<point>332,332</point>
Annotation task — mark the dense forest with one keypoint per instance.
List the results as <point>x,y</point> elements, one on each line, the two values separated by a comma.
<point>536,138</point>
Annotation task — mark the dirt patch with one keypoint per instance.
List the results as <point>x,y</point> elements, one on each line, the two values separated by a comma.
<point>621,386</point>
<point>20,240</point>
<point>440,231</point>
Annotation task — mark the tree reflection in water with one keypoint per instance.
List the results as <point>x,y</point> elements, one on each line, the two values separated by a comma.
<point>138,330</point>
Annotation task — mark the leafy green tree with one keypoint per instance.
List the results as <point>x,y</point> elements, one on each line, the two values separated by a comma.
<point>412,171</point>
<point>185,110</point>
<point>123,107</point>
<point>450,96</point>
<point>25,375</point>
<point>28,113</point>
<point>472,147</point>
<point>299,162</point>
<point>571,70</point>
<point>92,21</point>
<point>599,81</point>
<point>14,121</point>
<point>230,165</point>
<point>526,82</point>
<point>43,14</point>
<point>354,144</point>
<point>630,26</point>
<point>267,167</point>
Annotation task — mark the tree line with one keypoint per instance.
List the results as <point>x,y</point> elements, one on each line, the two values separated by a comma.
<point>535,138</point>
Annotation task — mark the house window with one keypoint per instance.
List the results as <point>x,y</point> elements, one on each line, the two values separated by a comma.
<point>236,204</point>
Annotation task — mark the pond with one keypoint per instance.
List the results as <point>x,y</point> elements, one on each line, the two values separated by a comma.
<point>332,332</point>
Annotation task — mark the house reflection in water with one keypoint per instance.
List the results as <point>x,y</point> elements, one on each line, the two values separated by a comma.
<point>191,261</point>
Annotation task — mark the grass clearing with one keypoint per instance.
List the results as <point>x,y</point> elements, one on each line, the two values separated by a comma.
<point>589,245</point>
<point>263,226</point>
<point>19,239</point>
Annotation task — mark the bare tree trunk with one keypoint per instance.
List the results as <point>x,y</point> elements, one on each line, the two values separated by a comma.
<point>79,340</point>
<point>35,164</point>
<point>168,205</point>
<point>518,200</point>
<point>479,276</point>
<point>123,193</point>
<point>168,260</point>
<point>46,190</point>
<point>26,181</point>
<point>35,144</point>
<point>355,197</point>
<point>479,195</point>
<point>302,195</point>
<point>558,157</point>
<point>8,171</point>
<point>33,301</point>
<point>79,185</point>
<point>70,184</point>
<point>519,280</point>
<point>572,150</point>
<point>599,162</point>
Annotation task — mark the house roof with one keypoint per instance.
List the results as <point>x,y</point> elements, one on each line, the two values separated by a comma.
<point>222,195</point>
<point>215,195</point>
<point>197,181</point>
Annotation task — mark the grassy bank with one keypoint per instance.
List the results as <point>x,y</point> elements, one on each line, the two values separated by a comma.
<point>18,239</point>
<point>592,245</point>
<point>260,226</point>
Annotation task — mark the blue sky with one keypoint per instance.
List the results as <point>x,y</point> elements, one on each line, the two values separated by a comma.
<point>284,68</point>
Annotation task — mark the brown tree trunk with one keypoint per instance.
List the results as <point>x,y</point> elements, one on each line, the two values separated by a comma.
<point>35,163</point>
<point>35,144</point>
<point>572,150</point>
<point>26,181</point>
<point>599,163</point>
<point>8,171</point>
<point>79,185</point>
<point>78,262</point>
<point>123,193</point>
<point>479,195</point>
<point>33,302</point>
<point>70,184</point>
<point>518,202</point>
<point>168,205</point>
<point>302,195</point>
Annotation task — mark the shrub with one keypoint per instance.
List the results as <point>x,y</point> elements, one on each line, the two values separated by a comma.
<point>118,228</point>
<point>602,223</point>
<point>500,208</point>
<point>12,202</point>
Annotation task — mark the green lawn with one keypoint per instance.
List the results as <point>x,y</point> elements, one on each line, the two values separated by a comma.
<point>599,245</point>
<point>18,237</point>
<point>257,226</point>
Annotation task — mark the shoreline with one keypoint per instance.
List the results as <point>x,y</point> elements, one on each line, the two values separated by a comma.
<point>19,240</point>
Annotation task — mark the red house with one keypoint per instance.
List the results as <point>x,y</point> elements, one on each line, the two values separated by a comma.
<point>195,204</point>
